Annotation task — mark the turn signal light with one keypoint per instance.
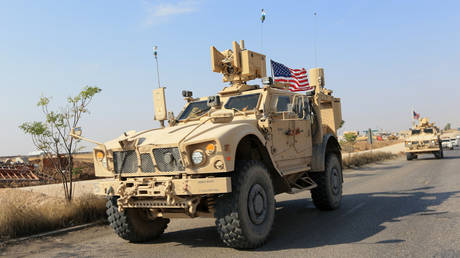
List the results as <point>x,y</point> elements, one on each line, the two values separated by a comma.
<point>210,149</point>
<point>99,155</point>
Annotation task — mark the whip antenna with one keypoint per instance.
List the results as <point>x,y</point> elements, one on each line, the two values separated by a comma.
<point>315,39</point>
<point>155,53</point>
<point>262,19</point>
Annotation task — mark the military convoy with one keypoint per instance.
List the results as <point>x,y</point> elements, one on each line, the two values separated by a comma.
<point>225,155</point>
<point>424,138</point>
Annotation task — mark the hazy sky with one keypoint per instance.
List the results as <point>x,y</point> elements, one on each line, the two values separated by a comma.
<point>383,58</point>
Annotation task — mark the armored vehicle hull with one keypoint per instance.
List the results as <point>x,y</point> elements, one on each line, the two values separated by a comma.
<point>225,156</point>
<point>423,139</point>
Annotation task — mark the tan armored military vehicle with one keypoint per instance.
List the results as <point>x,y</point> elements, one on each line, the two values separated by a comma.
<point>423,139</point>
<point>225,156</point>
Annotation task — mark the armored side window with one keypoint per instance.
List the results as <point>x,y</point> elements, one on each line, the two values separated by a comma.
<point>301,106</point>
<point>281,103</point>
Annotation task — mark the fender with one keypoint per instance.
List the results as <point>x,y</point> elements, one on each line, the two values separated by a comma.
<point>319,153</point>
<point>237,135</point>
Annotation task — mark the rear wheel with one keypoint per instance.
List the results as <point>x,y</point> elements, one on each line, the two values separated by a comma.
<point>245,216</point>
<point>441,151</point>
<point>133,224</point>
<point>439,154</point>
<point>328,194</point>
<point>410,156</point>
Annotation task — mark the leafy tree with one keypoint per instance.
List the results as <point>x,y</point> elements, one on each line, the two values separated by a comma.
<point>447,127</point>
<point>52,135</point>
<point>350,137</point>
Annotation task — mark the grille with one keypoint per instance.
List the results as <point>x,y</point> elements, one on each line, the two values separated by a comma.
<point>426,142</point>
<point>168,159</point>
<point>125,161</point>
<point>147,163</point>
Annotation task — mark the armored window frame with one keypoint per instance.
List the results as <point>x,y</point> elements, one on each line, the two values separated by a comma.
<point>428,130</point>
<point>234,98</point>
<point>415,131</point>
<point>188,109</point>
<point>276,103</point>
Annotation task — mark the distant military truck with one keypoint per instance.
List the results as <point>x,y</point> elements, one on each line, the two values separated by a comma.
<point>225,156</point>
<point>447,143</point>
<point>424,138</point>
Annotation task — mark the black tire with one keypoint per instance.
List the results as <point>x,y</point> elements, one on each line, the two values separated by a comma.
<point>441,151</point>
<point>328,194</point>
<point>410,156</point>
<point>133,224</point>
<point>244,217</point>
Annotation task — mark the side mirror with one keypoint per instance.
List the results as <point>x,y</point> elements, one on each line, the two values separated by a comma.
<point>213,101</point>
<point>290,107</point>
<point>76,132</point>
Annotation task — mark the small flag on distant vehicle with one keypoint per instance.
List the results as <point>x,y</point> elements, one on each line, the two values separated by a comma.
<point>262,18</point>
<point>416,115</point>
<point>297,79</point>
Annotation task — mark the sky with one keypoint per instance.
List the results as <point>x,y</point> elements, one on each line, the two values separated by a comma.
<point>382,58</point>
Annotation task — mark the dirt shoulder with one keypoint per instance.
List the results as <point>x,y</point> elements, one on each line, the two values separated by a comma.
<point>56,190</point>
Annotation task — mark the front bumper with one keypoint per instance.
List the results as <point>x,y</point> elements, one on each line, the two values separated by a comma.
<point>162,186</point>
<point>422,150</point>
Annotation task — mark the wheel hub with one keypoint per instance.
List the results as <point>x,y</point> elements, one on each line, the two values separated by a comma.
<point>335,181</point>
<point>257,204</point>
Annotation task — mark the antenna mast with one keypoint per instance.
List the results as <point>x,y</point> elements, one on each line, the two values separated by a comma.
<point>262,19</point>
<point>155,53</point>
<point>315,39</point>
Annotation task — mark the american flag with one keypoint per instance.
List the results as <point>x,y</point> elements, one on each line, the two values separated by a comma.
<point>415,115</point>
<point>296,78</point>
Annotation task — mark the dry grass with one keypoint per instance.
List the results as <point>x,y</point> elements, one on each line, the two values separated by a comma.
<point>363,145</point>
<point>358,160</point>
<point>25,213</point>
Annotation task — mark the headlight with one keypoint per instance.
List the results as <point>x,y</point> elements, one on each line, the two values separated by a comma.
<point>198,157</point>
<point>433,142</point>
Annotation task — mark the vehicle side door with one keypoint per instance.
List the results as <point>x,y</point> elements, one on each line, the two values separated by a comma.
<point>302,128</point>
<point>290,148</point>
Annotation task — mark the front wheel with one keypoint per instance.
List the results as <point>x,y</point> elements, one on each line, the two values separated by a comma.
<point>133,224</point>
<point>245,216</point>
<point>328,194</point>
<point>410,156</point>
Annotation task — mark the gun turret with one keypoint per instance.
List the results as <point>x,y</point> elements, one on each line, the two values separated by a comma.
<point>238,65</point>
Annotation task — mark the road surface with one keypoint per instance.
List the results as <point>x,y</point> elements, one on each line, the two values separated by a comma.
<point>394,209</point>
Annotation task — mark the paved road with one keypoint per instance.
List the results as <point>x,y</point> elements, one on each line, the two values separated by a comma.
<point>394,209</point>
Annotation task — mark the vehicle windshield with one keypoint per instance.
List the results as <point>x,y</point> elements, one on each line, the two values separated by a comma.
<point>415,131</point>
<point>243,102</point>
<point>428,130</point>
<point>194,110</point>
